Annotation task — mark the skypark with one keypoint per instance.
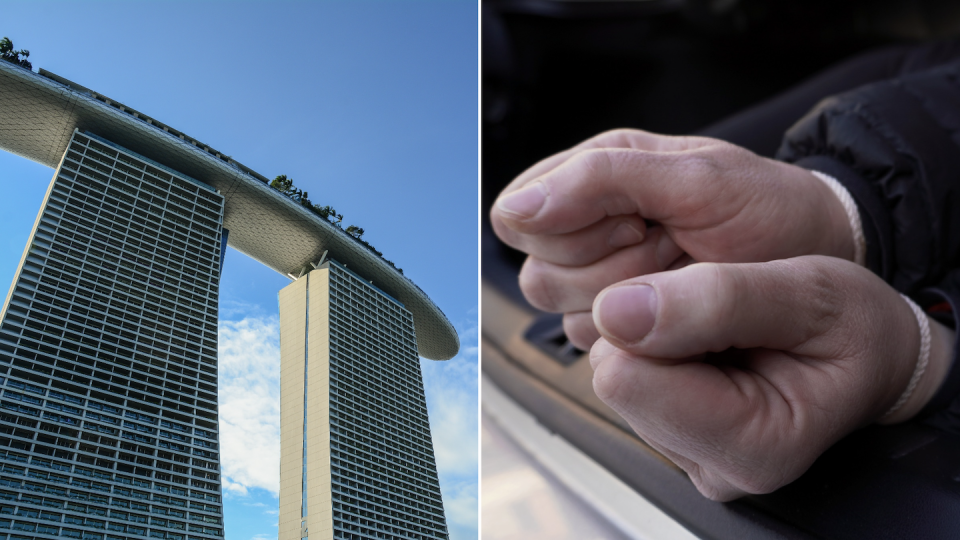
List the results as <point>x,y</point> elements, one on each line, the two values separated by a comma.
<point>39,113</point>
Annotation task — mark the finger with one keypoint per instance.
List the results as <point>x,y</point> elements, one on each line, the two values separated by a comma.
<point>711,307</point>
<point>580,329</point>
<point>706,480</point>
<point>712,417</point>
<point>562,289</point>
<point>580,247</point>
<point>603,182</point>
<point>690,397</point>
<point>600,351</point>
<point>682,262</point>
<point>709,483</point>
<point>617,138</point>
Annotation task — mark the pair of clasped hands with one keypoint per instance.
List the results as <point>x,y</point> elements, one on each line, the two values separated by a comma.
<point>715,291</point>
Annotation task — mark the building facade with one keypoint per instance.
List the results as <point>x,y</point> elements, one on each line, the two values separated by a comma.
<point>108,369</point>
<point>108,415</point>
<point>38,115</point>
<point>357,458</point>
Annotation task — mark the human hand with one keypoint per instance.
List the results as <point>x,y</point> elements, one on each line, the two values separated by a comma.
<point>581,215</point>
<point>743,374</point>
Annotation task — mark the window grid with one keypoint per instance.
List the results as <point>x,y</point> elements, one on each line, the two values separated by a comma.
<point>108,354</point>
<point>383,470</point>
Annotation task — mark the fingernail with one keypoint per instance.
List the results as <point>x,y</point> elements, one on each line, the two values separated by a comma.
<point>627,313</point>
<point>525,202</point>
<point>624,235</point>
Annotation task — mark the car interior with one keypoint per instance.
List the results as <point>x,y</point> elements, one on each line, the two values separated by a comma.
<point>555,72</point>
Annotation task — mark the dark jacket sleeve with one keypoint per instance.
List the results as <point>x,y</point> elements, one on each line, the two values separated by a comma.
<point>943,304</point>
<point>895,146</point>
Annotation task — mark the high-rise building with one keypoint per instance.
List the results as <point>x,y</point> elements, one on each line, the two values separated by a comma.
<point>357,459</point>
<point>109,409</point>
<point>108,373</point>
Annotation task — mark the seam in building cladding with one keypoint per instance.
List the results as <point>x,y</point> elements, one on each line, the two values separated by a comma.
<point>108,362</point>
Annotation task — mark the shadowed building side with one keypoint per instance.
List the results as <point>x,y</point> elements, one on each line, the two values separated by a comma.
<point>108,346</point>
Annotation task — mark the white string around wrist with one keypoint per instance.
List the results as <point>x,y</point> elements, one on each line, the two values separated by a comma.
<point>853,215</point>
<point>922,360</point>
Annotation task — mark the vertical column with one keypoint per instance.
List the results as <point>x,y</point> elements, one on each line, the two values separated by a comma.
<point>293,305</point>
<point>318,408</point>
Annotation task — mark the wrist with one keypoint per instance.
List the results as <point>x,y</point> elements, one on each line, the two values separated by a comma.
<point>845,238</point>
<point>938,364</point>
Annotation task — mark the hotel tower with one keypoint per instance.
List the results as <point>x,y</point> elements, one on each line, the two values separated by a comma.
<point>108,341</point>
<point>357,457</point>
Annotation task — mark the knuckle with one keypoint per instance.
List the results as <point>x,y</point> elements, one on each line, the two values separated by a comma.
<point>760,478</point>
<point>815,292</point>
<point>727,295</point>
<point>615,137</point>
<point>730,286</point>
<point>720,289</point>
<point>580,330</point>
<point>825,300</point>
<point>537,287</point>
<point>731,478</point>
<point>712,491</point>
<point>595,163</point>
<point>708,483</point>
<point>504,233</point>
<point>715,161</point>
<point>596,357</point>
<point>753,483</point>
<point>607,383</point>
<point>699,179</point>
<point>494,213</point>
<point>703,163</point>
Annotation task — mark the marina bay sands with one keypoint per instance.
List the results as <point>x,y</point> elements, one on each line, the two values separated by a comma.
<point>108,341</point>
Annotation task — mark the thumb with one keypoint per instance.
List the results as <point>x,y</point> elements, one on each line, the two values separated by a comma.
<point>712,307</point>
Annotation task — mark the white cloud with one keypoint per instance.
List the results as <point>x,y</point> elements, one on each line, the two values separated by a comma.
<point>461,507</point>
<point>250,416</point>
<point>237,309</point>
<point>452,403</point>
<point>250,404</point>
<point>451,390</point>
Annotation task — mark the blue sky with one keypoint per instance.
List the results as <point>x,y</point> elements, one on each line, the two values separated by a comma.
<point>370,106</point>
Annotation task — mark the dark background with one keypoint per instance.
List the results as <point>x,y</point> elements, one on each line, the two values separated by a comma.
<point>557,72</point>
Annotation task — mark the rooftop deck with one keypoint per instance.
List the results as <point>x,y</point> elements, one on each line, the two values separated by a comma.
<point>38,113</point>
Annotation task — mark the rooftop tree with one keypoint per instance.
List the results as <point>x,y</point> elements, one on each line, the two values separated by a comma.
<point>285,185</point>
<point>15,57</point>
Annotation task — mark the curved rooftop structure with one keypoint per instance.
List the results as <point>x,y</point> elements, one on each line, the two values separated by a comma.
<point>39,112</point>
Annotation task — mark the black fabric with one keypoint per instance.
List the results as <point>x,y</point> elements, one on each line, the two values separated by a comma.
<point>760,128</point>
<point>876,223</point>
<point>895,145</point>
<point>943,411</point>
<point>900,137</point>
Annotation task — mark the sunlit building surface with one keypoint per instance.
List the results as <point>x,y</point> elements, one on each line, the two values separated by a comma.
<point>357,458</point>
<point>108,366</point>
